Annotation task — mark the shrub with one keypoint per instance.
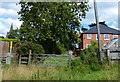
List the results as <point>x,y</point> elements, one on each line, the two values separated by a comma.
<point>26,46</point>
<point>79,66</point>
<point>89,58</point>
<point>60,49</point>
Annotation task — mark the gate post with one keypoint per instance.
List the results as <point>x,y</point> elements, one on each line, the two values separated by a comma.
<point>108,56</point>
<point>19,59</point>
<point>8,58</point>
<point>29,58</point>
<point>70,53</point>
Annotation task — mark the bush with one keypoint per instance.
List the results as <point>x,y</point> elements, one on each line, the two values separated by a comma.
<point>79,66</point>
<point>60,49</point>
<point>26,46</point>
<point>89,59</point>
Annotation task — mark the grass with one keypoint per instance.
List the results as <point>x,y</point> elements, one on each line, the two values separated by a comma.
<point>57,73</point>
<point>111,74</point>
<point>57,61</point>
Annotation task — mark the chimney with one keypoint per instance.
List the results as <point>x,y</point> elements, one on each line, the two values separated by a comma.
<point>94,24</point>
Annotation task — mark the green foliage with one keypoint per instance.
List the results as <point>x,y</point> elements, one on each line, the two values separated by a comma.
<point>90,58</point>
<point>47,23</point>
<point>57,73</point>
<point>83,74</point>
<point>60,48</point>
<point>13,34</point>
<point>26,46</point>
<point>80,66</point>
<point>6,66</point>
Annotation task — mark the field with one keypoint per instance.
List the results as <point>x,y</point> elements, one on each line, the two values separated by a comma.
<point>57,73</point>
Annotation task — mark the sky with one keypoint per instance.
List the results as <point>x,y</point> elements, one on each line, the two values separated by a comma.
<point>107,11</point>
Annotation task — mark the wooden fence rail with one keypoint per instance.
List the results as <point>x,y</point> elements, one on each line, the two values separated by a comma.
<point>46,59</point>
<point>39,59</point>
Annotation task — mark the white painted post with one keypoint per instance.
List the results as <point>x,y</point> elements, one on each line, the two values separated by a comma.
<point>19,59</point>
<point>108,56</point>
<point>70,53</point>
<point>29,57</point>
<point>8,58</point>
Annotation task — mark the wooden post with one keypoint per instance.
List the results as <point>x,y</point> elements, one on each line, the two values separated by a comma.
<point>8,58</point>
<point>70,53</point>
<point>108,56</point>
<point>19,59</point>
<point>29,58</point>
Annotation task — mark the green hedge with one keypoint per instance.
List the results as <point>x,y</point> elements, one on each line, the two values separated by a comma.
<point>26,46</point>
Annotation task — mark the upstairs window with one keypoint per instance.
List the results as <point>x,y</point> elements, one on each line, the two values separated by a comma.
<point>106,37</point>
<point>89,36</point>
<point>115,36</point>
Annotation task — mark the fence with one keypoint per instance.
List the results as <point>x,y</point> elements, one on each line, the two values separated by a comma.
<point>46,59</point>
<point>6,59</point>
<point>112,50</point>
<point>39,59</point>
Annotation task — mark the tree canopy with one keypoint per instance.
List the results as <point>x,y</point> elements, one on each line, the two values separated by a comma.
<point>26,46</point>
<point>49,23</point>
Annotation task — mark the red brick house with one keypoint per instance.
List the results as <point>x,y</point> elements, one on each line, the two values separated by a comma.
<point>107,33</point>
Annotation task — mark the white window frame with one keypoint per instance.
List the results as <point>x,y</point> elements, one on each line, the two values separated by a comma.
<point>88,45</point>
<point>107,38</point>
<point>114,36</point>
<point>89,37</point>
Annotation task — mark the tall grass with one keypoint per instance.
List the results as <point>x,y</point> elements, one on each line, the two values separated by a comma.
<point>57,73</point>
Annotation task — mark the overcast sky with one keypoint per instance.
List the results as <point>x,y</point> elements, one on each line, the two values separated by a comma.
<point>108,11</point>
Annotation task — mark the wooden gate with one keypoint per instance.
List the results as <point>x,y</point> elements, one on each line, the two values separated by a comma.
<point>52,59</point>
<point>47,59</point>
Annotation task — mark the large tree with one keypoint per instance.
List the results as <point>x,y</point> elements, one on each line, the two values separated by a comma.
<point>49,23</point>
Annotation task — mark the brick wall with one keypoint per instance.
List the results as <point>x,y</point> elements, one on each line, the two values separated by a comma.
<point>4,48</point>
<point>15,49</point>
<point>1,45</point>
<point>86,41</point>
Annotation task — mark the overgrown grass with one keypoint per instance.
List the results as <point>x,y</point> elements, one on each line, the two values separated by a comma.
<point>57,73</point>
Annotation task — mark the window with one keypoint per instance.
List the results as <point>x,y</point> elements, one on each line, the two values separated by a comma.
<point>97,37</point>
<point>88,45</point>
<point>115,36</point>
<point>106,36</point>
<point>89,36</point>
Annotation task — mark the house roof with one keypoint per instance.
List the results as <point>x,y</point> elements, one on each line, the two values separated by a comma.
<point>104,29</point>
